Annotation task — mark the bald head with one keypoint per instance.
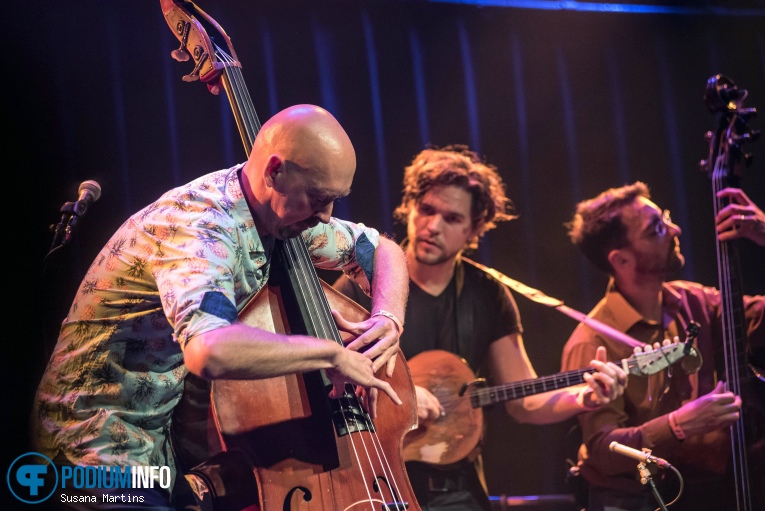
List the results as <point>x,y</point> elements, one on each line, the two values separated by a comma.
<point>301,150</point>
<point>309,136</point>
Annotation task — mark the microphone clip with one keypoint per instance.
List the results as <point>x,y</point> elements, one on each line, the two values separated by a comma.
<point>62,231</point>
<point>89,191</point>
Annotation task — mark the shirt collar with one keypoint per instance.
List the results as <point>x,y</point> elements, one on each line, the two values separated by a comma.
<point>258,248</point>
<point>625,316</point>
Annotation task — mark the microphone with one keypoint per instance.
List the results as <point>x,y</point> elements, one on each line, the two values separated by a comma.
<point>642,456</point>
<point>90,192</point>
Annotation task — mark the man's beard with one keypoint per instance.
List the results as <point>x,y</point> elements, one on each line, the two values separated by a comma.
<point>432,259</point>
<point>674,262</point>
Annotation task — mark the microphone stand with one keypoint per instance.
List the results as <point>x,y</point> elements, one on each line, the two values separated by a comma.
<point>62,235</point>
<point>645,478</point>
<point>62,231</point>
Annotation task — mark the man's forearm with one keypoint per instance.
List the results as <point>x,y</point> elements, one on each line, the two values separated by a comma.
<point>390,284</point>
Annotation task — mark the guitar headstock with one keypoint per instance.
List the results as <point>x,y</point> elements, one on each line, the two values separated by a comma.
<point>197,31</point>
<point>654,360</point>
<point>726,159</point>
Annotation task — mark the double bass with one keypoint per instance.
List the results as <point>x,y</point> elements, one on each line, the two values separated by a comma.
<point>283,443</point>
<point>740,366</point>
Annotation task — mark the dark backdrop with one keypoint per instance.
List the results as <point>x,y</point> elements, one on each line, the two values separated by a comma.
<point>565,103</point>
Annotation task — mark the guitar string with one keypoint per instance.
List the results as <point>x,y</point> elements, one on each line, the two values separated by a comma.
<point>241,98</point>
<point>518,389</point>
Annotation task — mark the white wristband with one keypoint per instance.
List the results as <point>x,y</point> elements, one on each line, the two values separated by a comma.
<point>392,317</point>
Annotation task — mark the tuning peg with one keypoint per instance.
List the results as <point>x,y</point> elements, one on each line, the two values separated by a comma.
<point>748,158</point>
<point>747,113</point>
<point>708,136</point>
<point>743,138</point>
<point>703,165</point>
<point>194,75</point>
<point>181,55</point>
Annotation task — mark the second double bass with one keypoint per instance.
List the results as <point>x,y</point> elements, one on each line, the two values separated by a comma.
<point>303,449</point>
<point>741,367</point>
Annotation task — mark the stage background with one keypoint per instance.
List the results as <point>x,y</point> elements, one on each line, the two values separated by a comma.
<point>564,103</point>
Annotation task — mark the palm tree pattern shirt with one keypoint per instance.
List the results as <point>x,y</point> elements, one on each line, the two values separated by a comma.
<point>183,265</point>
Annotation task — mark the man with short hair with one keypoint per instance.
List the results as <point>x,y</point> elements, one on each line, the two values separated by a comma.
<point>681,416</point>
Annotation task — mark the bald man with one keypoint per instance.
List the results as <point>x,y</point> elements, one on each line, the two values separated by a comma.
<point>162,297</point>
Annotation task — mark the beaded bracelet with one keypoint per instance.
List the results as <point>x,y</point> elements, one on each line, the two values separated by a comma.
<point>392,317</point>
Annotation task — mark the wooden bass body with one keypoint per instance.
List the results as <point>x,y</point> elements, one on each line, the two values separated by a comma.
<point>304,455</point>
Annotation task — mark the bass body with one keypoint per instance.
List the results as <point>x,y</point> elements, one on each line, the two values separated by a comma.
<point>310,452</point>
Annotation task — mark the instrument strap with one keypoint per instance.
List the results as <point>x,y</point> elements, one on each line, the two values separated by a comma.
<point>463,305</point>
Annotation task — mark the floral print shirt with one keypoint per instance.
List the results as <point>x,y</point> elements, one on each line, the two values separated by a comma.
<point>181,266</point>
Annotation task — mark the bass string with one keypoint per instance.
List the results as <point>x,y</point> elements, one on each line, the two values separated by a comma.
<point>229,71</point>
<point>730,349</point>
<point>725,284</point>
<point>240,99</point>
<point>324,326</point>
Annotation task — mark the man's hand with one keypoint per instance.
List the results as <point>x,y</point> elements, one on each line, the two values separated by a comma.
<point>741,218</point>
<point>716,410</point>
<point>377,338</point>
<point>357,369</point>
<point>429,408</point>
<point>605,385</point>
